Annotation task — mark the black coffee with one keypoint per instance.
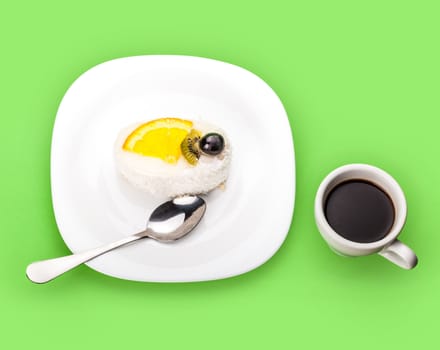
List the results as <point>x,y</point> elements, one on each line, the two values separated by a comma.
<point>359,211</point>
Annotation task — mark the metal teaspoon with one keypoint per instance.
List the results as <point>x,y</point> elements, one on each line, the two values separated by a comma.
<point>168,222</point>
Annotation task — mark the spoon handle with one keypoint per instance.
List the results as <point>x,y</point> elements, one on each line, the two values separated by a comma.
<point>46,270</point>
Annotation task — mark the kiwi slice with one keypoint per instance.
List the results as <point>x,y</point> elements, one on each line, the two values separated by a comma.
<point>190,147</point>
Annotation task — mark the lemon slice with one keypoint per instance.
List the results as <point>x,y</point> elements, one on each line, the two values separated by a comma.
<point>160,138</point>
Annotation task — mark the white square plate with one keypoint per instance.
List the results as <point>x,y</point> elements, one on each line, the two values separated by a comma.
<point>244,225</point>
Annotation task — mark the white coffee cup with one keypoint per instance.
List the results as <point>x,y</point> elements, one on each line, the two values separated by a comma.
<point>389,247</point>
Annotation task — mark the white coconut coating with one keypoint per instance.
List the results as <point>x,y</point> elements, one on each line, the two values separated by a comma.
<point>159,178</point>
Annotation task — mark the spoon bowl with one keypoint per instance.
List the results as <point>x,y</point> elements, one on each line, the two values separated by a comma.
<point>174,219</point>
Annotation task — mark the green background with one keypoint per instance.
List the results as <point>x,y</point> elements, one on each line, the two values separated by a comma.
<point>360,83</point>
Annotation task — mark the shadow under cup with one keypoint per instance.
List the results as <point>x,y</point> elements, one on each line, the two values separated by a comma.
<point>382,181</point>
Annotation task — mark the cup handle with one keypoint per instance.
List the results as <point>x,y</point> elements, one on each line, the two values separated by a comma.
<point>400,254</point>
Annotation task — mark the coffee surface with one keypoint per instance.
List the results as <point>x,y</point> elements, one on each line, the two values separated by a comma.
<point>359,211</point>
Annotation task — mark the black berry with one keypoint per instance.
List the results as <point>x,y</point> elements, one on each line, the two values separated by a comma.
<point>212,144</point>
